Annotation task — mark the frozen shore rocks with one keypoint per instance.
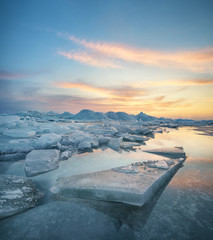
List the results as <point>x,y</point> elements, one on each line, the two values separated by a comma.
<point>134,184</point>
<point>17,194</point>
<point>41,161</point>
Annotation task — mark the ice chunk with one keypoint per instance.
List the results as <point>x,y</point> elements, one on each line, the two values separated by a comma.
<point>134,138</point>
<point>78,136</point>
<point>41,161</point>
<point>19,132</point>
<point>48,140</point>
<point>114,143</point>
<point>84,147</point>
<point>127,169</point>
<point>129,145</point>
<point>158,164</point>
<point>103,140</point>
<point>123,129</point>
<point>65,155</point>
<point>60,129</point>
<point>12,156</point>
<point>135,184</point>
<point>16,195</point>
<point>17,146</point>
<point>176,152</point>
<point>67,141</point>
<point>7,120</point>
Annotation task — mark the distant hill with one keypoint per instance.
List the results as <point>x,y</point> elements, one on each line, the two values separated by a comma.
<point>120,116</point>
<point>87,114</point>
<point>144,117</point>
<point>67,115</point>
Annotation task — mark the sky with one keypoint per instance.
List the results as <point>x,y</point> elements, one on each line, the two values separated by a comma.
<point>154,56</point>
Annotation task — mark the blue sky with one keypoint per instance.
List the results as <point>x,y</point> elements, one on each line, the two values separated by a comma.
<point>150,55</point>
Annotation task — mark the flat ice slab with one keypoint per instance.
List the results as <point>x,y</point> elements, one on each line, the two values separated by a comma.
<point>134,184</point>
<point>41,161</point>
<point>176,152</point>
<point>16,195</point>
<point>19,133</point>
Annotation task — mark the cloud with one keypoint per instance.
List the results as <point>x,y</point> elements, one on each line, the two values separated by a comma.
<point>186,82</point>
<point>130,99</point>
<point>122,93</point>
<point>90,59</point>
<point>8,75</point>
<point>199,60</point>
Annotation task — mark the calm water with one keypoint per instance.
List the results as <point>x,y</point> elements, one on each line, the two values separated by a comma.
<point>183,210</point>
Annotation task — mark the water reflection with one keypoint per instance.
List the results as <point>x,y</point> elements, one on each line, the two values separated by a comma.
<point>133,216</point>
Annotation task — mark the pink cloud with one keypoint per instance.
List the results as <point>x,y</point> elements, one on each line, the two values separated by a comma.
<point>199,61</point>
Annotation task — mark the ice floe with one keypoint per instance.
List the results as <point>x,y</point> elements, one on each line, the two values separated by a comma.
<point>19,133</point>
<point>135,184</point>
<point>41,161</point>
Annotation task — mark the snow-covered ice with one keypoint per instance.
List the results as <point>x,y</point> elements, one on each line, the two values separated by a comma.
<point>17,194</point>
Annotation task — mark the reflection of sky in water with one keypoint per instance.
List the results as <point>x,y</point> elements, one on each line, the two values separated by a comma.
<point>185,209</point>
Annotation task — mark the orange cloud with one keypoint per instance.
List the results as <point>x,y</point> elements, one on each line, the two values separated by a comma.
<point>123,93</point>
<point>187,82</point>
<point>198,61</point>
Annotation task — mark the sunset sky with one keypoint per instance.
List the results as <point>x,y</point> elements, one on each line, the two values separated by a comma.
<point>154,56</point>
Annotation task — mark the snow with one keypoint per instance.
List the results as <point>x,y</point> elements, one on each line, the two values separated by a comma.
<point>11,194</point>
<point>41,161</point>
<point>15,194</point>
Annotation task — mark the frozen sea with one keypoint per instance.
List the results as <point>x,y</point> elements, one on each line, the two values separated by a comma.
<point>181,210</point>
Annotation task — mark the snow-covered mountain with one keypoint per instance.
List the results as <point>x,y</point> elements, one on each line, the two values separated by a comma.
<point>121,116</point>
<point>144,117</point>
<point>67,115</point>
<point>89,115</point>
